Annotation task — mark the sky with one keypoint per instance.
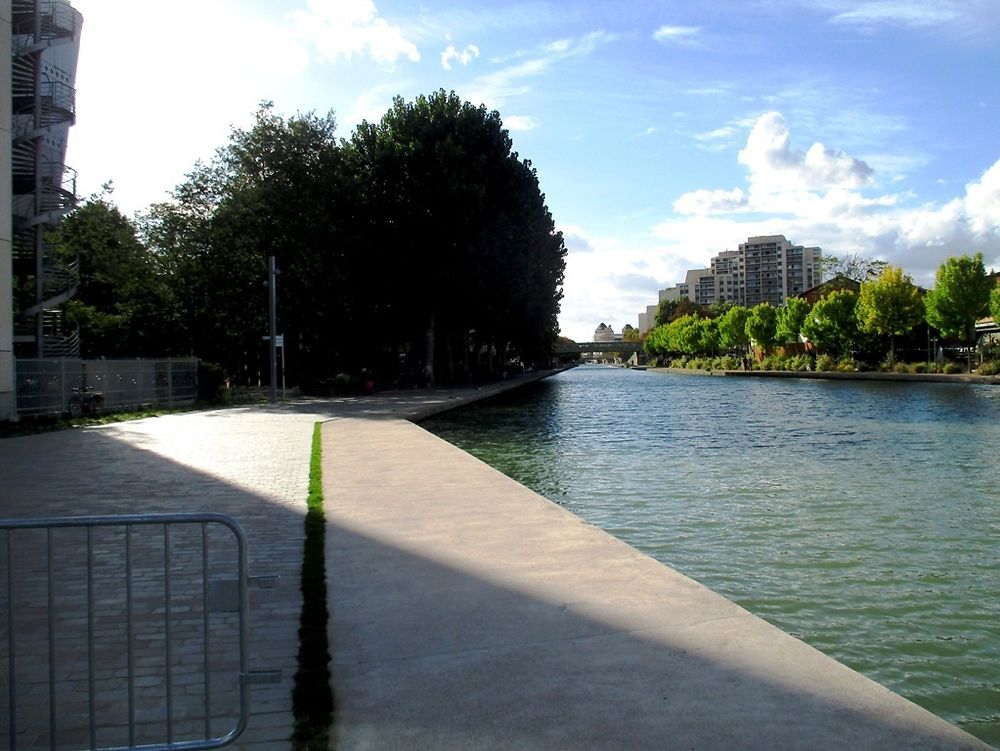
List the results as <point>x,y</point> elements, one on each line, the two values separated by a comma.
<point>662,132</point>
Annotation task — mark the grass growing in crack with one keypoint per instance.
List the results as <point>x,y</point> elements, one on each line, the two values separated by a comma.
<point>312,696</point>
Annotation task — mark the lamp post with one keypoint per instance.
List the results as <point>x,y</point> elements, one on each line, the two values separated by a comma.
<point>272,339</point>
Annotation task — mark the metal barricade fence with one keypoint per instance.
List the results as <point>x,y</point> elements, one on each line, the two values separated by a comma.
<point>47,386</point>
<point>124,632</point>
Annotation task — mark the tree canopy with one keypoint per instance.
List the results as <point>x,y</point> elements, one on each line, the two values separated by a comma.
<point>961,296</point>
<point>762,325</point>
<point>832,324</point>
<point>889,305</point>
<point>423,236</point>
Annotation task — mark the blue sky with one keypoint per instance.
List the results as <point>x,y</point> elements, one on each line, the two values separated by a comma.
<point>662,132</point>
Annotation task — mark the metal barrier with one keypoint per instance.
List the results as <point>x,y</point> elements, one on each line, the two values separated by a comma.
<point>46,386</point>
<point>120,634</point>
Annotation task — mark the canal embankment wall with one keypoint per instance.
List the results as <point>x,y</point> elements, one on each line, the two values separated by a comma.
<point>468,612</point>
<point>839,376</point>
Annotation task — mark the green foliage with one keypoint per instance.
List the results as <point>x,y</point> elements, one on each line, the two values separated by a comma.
<point>423,233</point>
<point>121,305</point>
<point>826,363</point>
<point>889,305</point>
<point>732,327</point>
<point>832,325</point>
<point>989,368</point>
<point>953,368</point>
<point>995,302</point>
<point>312,698</point>
<point>961,296</point>
<point>791,316</point>
<point>762,325</point>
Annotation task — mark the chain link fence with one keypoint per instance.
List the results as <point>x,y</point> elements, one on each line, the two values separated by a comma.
<point>51,386</point>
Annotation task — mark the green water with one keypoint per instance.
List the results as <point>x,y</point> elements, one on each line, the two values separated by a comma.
<point>862,517</point>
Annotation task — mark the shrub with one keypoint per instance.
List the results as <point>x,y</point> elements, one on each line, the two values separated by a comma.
<point>919,367</point>
<point>846,365</point>
<point>951,368</point>
<point>799,363</point>
<point>989,368</point>
<point>730,363</point>
<point>826,362</point>
<point>900,367</point>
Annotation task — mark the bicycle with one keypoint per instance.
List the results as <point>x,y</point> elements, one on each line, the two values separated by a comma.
<point>86,401</point>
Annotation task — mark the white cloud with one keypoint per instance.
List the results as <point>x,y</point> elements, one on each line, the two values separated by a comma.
<point>677,34</point>
<point>711,202</point>
<point>520,122</point>
<point>775,164</point>
<point>898,13</point>
<point>351,28</point>
<point>826,197</point>
<point>466,56</point>
<point>494,88</point>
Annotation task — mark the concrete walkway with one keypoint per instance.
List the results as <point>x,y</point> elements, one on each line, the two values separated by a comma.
<point>469,613</point>
<point>251,463</point>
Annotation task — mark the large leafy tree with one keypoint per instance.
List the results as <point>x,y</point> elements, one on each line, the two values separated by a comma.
<point>832,324</point>
<point>272,190</point>
<point>889,305</point>
<point>791,316</point>
<point>120,305</point>
<point>995,302</point>
<point>457,229</point>
<point>762,325</point>
<point>733,328</point>
<point>960,296</point>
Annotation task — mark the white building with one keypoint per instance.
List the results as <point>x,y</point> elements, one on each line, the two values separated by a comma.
<point>766,268</point>
<point>605,333</point>
<point>39,47</point>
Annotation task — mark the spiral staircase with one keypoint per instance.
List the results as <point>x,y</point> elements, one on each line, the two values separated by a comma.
<point>43,188</point>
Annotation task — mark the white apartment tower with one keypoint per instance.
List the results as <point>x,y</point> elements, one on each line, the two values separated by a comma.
<point>767,268</point>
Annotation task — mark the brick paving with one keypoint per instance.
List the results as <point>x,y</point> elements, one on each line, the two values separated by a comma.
<point>249,463</point>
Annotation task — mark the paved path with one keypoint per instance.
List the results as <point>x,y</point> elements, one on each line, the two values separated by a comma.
<point>469,613</point>
<point>251,463</point>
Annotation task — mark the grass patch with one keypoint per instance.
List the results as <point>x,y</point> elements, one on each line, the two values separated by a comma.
<point>312,697</point>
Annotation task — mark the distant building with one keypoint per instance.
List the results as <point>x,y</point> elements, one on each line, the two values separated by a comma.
<point>605,333</point>
<point>839,282</point>
<point>767,268</point>
<point>647,320</point>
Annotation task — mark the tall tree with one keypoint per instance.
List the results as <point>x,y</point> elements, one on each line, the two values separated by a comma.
<point>960,297</point>
<point>995,302</point>
<point>120,305</point>
<point>733,328</point>
<point>457,229</point>
<point>791,316</point>
<point>762,325</point>
<point>832,324</point>
<point>889,305</point>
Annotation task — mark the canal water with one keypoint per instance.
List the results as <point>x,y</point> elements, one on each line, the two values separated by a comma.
<point>861,517</point>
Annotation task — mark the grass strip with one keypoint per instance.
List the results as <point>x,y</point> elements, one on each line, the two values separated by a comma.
<point>312,697</point>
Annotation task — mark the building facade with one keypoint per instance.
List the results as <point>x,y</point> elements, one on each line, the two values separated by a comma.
<point>39,44</point>
<point>767,269</point>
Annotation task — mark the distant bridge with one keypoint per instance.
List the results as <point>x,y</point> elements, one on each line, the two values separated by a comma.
<point>573,348</point>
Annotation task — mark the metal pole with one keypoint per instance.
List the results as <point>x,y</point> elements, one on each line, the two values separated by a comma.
<point>272,296</point>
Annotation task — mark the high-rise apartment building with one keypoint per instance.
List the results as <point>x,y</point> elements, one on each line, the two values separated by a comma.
<point>39,46</point>
<point>764,269</point>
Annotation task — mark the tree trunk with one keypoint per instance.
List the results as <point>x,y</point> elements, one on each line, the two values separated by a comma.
<point>429,354</point>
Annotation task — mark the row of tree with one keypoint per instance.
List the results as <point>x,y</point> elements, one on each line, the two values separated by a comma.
<point>843,322</point>
<point>422,243</point>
